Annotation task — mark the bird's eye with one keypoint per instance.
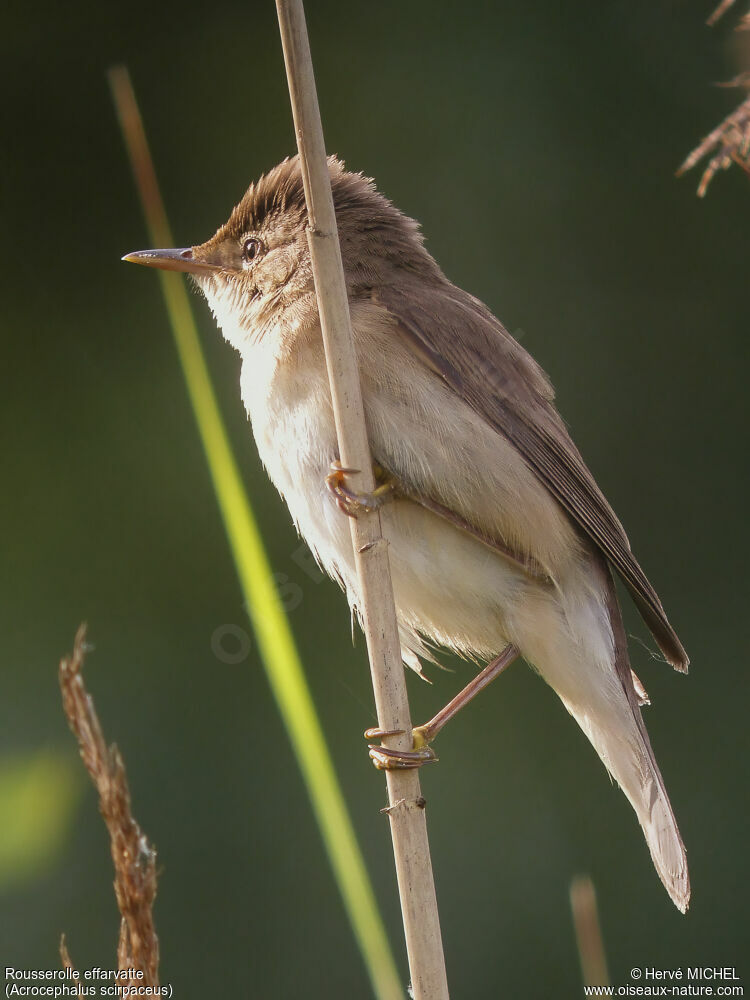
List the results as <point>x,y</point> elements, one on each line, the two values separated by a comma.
<point>251,248</point>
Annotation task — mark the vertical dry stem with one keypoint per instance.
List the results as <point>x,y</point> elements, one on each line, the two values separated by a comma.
<point>406,812</point>
<point>588,932</point>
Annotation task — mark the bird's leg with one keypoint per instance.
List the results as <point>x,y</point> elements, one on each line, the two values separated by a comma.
<point>351,503</point>
<point>387,759</point>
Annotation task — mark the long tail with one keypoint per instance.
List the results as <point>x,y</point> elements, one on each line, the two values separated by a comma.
<point>652,806</point>
<point>592,676</point>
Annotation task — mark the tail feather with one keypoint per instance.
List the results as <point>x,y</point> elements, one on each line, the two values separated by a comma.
<point>652,805</point>
<point>601,695</point>
<point>632,764</point>
<point>634,768</point>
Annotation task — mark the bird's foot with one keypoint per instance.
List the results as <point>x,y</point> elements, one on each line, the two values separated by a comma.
<point>387,759</point>
<point>351,503</point>
<point>421,753</point>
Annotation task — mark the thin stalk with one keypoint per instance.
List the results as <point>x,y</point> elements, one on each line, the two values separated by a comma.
<point>376,605</point>
<point>279,655</point>
<point>588,932</point>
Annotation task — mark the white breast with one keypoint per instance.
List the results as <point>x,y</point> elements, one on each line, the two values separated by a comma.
<point>289,407</point>
<point>449,586</point>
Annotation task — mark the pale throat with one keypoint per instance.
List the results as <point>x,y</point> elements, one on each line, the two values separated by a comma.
<point>237,313</point>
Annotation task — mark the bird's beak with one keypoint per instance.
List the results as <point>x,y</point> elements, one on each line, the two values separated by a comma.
<point>172,260</point>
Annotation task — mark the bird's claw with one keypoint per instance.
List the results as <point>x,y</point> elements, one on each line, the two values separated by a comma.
<point>388,759</point>
<point>353,504</point>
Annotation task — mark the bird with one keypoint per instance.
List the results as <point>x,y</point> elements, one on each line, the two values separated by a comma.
<point>501,543</point>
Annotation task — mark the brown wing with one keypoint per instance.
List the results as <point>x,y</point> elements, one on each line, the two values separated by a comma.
<point>476,356</point>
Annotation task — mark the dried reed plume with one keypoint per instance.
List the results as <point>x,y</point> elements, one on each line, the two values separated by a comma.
<point>730,141</point>
<point>133,855</point>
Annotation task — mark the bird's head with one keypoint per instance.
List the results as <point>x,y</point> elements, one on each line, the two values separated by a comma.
<point>256,271</point>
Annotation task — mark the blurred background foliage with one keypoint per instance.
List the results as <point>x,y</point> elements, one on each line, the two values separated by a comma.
<point>537,145</point>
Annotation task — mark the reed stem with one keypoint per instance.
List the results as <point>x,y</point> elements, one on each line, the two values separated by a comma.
<point>376,604</point>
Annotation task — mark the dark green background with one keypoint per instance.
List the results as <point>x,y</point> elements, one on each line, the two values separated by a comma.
<point>537,144</point>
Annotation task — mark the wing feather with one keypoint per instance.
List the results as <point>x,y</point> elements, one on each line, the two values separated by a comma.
<point>476,356</point>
